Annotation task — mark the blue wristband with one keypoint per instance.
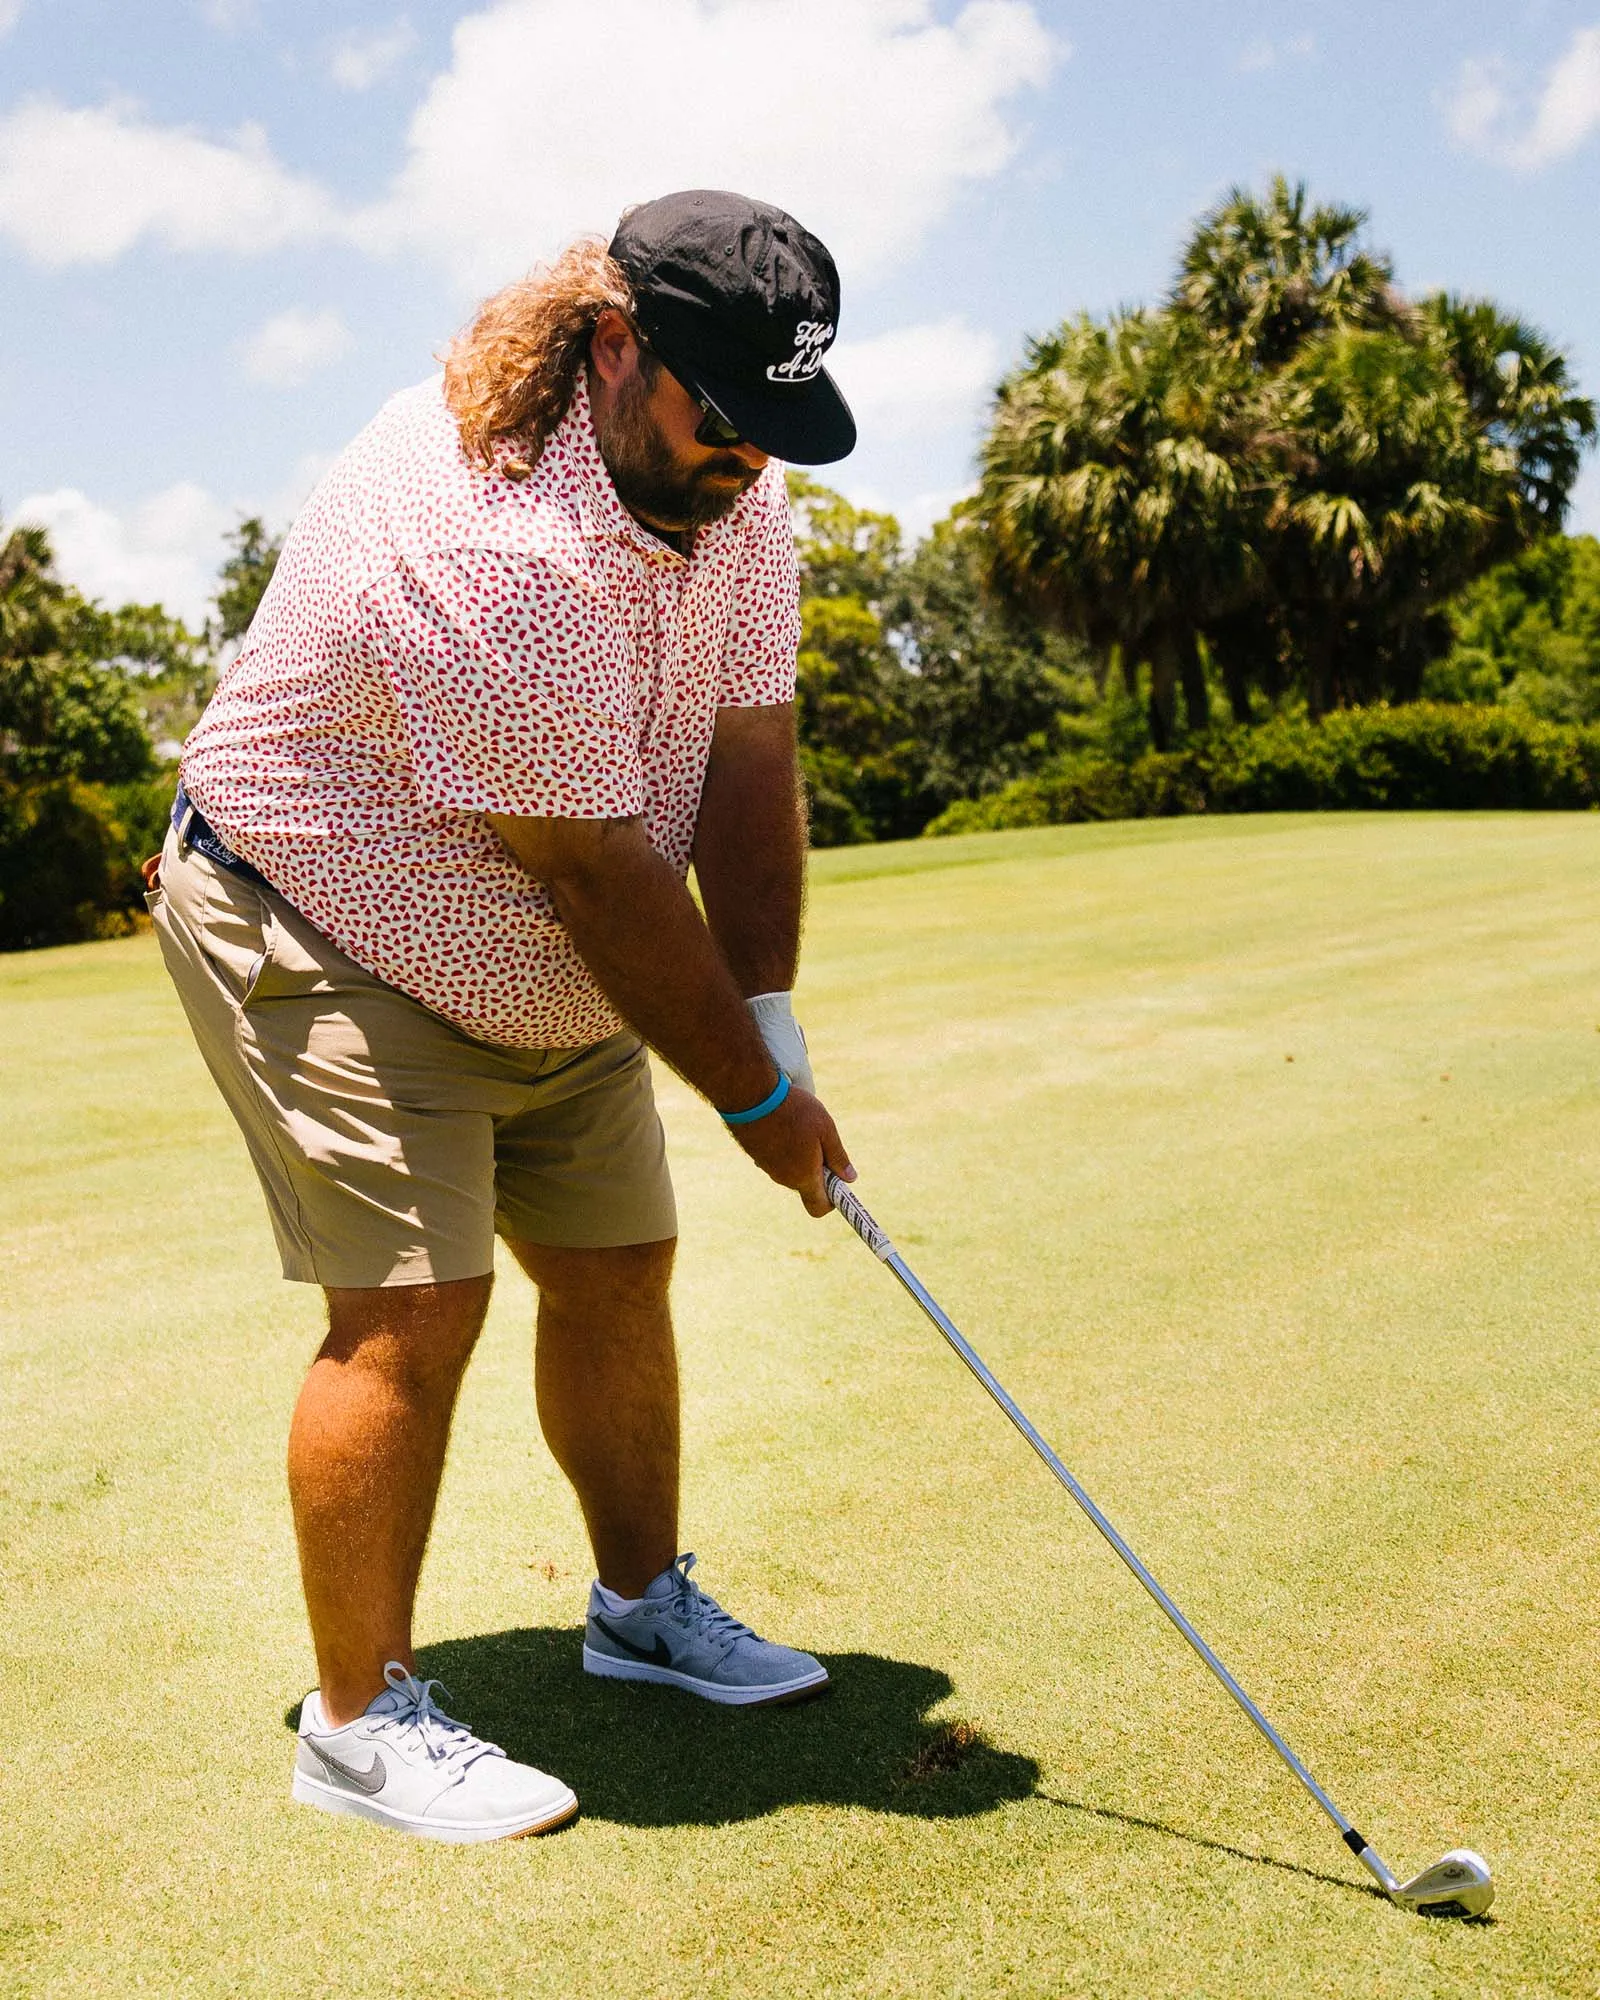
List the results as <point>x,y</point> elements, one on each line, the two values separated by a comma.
<point>768,1104</point>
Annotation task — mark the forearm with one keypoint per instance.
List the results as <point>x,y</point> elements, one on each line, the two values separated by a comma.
<point>750,848</point>
<point>637,930</point>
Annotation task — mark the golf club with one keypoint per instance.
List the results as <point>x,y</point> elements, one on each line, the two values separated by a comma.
<point>1458,1884</point>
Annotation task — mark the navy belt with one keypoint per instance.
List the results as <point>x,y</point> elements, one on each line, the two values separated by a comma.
<point>196,831</point>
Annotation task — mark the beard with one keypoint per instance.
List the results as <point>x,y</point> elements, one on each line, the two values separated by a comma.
<point>651,483</point>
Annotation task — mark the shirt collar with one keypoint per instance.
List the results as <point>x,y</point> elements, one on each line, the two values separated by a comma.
<point>601,513</point>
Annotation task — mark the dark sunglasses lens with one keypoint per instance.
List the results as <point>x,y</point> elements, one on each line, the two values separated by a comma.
<point>714,429</point>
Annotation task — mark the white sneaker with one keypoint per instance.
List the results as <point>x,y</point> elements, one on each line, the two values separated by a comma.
<point>407,1764</point>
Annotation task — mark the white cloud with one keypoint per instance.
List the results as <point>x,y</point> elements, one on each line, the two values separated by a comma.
<point>282,505</point>
<point>916,379</point>
<point>1263,53</point>
<point>922,510</point>
<point>915,511</point>
<point>166,550</point>
<point>359,60</point>
<point>230,16</point>
<point>866,118</point>
<point>10,14</point>
<point>1478,103</point>
<point>293,346</point>
<point>83,186</point>
<point>1491,114</point>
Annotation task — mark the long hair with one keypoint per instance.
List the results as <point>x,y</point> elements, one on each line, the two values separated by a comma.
<point>512,372</point>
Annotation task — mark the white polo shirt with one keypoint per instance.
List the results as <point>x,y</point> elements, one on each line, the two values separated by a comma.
<point>438,643</point>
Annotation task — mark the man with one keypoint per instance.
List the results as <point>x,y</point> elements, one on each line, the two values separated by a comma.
<point>528,653</point>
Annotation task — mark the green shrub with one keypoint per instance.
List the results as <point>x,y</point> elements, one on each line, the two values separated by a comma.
<point>1426,755</point>
<point>70,854</point>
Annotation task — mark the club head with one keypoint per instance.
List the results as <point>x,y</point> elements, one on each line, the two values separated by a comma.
<point>1457,1885</point>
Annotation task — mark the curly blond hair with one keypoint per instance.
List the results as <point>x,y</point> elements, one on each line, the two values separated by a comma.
<point>511,373</point>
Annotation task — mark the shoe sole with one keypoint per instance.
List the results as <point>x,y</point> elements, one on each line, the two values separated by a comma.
<point>311,1791</point>
<point>773,1695</point>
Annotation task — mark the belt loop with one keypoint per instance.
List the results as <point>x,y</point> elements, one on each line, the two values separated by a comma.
<point>183,810</point>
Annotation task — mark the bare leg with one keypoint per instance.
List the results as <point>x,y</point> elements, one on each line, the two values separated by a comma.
<point>366,1451</point>
<point>606,1381</point>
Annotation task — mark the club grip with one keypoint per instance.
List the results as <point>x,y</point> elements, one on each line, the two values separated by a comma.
<point>857,1217</point>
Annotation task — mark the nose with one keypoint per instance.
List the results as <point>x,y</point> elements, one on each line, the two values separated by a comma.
<point>749,454</point>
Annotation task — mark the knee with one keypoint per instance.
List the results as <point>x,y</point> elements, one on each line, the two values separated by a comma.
<point>417,1334</point>
<point>633,1277</point>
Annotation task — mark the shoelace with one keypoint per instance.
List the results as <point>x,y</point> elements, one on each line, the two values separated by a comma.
<point>691,1606</point>
<point>446,1741</point>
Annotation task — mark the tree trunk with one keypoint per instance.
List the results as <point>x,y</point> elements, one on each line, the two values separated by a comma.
<point>1239,650</point>
<point>1238,690</point>
<point>1196,694</point>
<point>1319,667</point>
<point>1163,695</point>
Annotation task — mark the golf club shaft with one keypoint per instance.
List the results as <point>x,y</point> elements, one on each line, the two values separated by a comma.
<point>878,1243</point>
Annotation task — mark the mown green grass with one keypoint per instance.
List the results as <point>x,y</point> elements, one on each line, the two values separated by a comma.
<point>1319,1334</point>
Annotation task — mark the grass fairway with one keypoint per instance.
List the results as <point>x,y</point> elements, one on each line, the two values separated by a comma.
<point>1260,1158</point>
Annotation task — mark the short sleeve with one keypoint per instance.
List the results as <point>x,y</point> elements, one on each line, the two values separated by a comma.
<point>758,665</point>
<point>514,686</point>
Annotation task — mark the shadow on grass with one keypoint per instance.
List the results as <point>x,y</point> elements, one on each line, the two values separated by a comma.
<point>1216,1846</point>
<point>654,1756</point>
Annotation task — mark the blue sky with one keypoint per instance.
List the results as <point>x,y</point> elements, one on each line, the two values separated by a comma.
<point>230,228</point>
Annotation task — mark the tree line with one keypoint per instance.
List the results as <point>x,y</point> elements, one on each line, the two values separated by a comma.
<point>1290,489</point>
<point>94,706</point>
<point>1200,528</point>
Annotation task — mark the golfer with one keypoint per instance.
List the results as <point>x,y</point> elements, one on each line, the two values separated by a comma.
<point>528,653</point>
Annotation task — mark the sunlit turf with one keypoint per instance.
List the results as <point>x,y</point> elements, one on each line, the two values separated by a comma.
<point>1261,1158</point>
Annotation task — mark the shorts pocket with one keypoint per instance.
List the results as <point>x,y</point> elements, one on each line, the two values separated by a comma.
<point>298,960</point>
<point>258,968</point>
<point>233,926</point>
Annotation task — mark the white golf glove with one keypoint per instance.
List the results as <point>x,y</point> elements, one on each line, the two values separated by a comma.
<point>782,1033</point>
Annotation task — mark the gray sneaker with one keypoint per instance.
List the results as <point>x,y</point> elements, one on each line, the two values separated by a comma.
<point>682,1637</point>
<point>406,1764</point>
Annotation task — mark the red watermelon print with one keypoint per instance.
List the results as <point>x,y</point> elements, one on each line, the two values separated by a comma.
<point>440,642</point>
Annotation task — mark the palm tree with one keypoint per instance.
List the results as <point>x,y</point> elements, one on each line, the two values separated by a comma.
<point>1260,276</point>
<point>1288,459</point>
<point>1386,507</point>
<point>1525,404</point>
<point>1112,501</point>
<point>1413,459</point>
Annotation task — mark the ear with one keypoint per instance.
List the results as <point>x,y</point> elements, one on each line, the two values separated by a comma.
<point>613,347</point>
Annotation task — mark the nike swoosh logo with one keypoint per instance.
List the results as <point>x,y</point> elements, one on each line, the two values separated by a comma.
<point>369,1781</point>
<point>658,1655</point>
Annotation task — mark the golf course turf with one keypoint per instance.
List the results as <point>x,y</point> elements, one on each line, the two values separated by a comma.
<point>1260,1158</point>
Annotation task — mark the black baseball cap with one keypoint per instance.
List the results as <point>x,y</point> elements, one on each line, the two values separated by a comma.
<point>741,304</point>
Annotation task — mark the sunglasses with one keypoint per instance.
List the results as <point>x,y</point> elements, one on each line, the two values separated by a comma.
<point>713,430</point>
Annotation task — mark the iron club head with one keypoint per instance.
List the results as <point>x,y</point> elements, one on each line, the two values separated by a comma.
<point>1457,1885</point>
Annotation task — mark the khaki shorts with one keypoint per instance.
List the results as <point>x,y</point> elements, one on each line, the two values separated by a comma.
<point>391,1147</point>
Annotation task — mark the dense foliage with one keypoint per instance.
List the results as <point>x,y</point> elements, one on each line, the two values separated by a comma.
<point>1529,634</point>
<point>1287,470</point>
<point>1422,756</point>
<point>94,705</point>
<point>81,691</point>
<point>917,686</point>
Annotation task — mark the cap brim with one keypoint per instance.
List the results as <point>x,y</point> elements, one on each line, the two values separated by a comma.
<point>806,426</point>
